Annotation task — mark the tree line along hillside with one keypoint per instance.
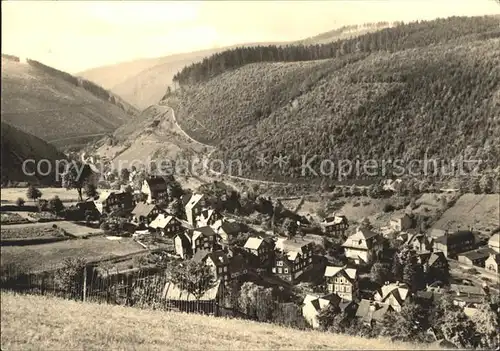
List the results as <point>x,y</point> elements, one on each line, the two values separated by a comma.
<point>402,36</point>
<point>54,105</point>
<point>441,100</point>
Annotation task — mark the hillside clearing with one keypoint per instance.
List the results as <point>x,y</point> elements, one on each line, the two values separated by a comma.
<point>480,212</point>
<point>34,322</point>
<point>49,256</point>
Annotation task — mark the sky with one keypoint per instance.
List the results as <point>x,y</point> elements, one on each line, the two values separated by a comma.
<point>77,35</point>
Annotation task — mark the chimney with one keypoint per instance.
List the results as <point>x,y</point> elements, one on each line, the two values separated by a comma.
<point>397,283</point>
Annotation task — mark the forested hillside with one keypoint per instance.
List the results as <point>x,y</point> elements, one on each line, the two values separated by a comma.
<point>56,106</point>
<point>403,36</point>
<point>17,147</point>
<point>439,98</point>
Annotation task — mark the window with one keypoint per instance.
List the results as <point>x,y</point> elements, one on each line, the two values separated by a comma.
<point>310,259</point>
<point>274,270</point>
<point>225,269</point>
<point>279,263</point>
<point>280,270</point>
<point>286,270</point>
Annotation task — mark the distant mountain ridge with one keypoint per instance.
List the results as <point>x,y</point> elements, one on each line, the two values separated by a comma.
<point>56,106</point>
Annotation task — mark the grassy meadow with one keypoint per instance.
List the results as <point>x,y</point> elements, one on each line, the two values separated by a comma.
<point>42,323</point>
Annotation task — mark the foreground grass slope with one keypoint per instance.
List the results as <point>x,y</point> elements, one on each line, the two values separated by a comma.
<point>378,106</point>
<point>56,106</point>
<point>18,146</point>
<point>33,322</point>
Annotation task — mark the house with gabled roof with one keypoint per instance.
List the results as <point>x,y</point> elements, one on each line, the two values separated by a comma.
<point>494,242</point>
<point>180,299</point>
<point>372,312</point>
<point>227,229</point>
<point>393,294</point>
<point>362,246</point>
<point>335,224</point>
<point>194,206</point>
<point>342,281</point>
<point>260,248</point>
<point>237,266</point>
<point>145,213</point>
<point>208,217</point>
<point>155,189</point>
<point>193,240</point>
<point>475,257</point>
<point>218,261</point>
<point>401,223</point>
<point>313,304</point>
<point>292,258</point>
<point>205,238</point>
<point>419,242</point>
<point>455,243</point>
<point>166,225</point>
<point>428,260</point>
<point>491,264</point>
<point>110,202</point>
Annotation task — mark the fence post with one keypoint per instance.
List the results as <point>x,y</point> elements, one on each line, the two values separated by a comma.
<point>84,298</point>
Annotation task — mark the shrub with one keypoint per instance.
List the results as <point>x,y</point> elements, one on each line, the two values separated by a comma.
<point>20,202</point>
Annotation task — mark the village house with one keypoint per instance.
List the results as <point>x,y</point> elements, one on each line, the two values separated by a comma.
<point>494,243</point>
<point>419,242</point>
<point>209,303</point>
<point>114,202</point>
<point>144,213</point>
<point>335,225</point>
<point>193,206</point>
<point>313,304</point>
<point>455,243</point>
<point>237,266</point>
<point>401,223</point>
<point>464,295</point>
<point>207,217</point>
<point>393,294</point>
<point>155,189</point>
<point>428,260</point>
<point>166,225</point>
<point>227,229</point>
<point>372,312</point>
<point>342,281</point>
<point>292,258</point>
<point>491,264</point>
<point>260,248</point>
<point>475,257</point>
<point>362,246</point>
<point>204,238</point>
<point>218,261</point>
<point>88,209</point>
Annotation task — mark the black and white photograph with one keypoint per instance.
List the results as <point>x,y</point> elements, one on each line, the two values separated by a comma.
<point>258,175</point>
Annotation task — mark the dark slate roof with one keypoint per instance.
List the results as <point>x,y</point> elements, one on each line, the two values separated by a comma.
<point>157,184</point>
<point>205,231</point>
<point>237,263</point>
<point>482,253</point>
<point>185,199</point>
<point>232,228</point>
<point>455,238</point>
<point>364,310</point>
